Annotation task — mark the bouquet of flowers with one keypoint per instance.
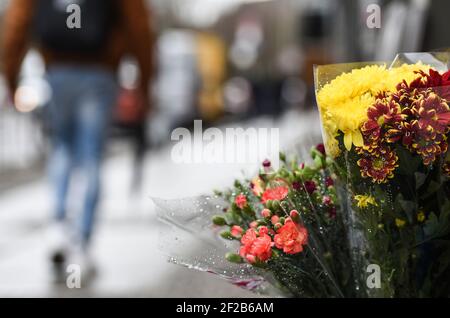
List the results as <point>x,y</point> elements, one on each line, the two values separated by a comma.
<point>387,131</point>
<point>287,223</point>
<point>280,233</point>
<point>367,216</point>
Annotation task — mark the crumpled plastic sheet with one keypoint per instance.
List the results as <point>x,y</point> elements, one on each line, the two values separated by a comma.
<point>190,239</point>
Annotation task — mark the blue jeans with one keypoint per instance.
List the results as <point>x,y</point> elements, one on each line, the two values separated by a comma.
<point>80,111</point>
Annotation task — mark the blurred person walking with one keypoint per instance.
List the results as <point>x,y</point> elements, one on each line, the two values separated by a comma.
<point>82,43</point>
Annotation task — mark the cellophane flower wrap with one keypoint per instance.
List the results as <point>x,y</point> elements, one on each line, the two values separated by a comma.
<point>281,233</point>
<point>386,129</point>
<point>288,223</point>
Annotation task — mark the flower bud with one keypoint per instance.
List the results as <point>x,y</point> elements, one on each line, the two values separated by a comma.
<point>276,204</point>
<point>266,213</point>
<point>261,222</point>
<point>321,149</point>
<point>326,200</point>
<point>233,258</point>
<point>295,216</point>
<point>266,163</point>
<point>219,220</point>
<point>236,231</point>
<point>298,174</point>
<point>226,235</point>
<point>275,219</point>
<point>251,259</point>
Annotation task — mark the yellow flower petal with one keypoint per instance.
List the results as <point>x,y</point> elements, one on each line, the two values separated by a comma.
<point>400,223</point>
<point>357,138</point>
<point>421,216</point>
<point>363,200</point>
<point>348,140</point>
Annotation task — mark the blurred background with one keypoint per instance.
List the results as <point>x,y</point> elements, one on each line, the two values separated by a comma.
<point>231,63</point>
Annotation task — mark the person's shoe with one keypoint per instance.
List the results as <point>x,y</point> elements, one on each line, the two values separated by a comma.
<point>58,267</point>
<point>58,247</point>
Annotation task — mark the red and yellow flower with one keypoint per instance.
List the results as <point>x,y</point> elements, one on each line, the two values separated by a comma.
<point>385,112</point>
<point>446,169</point>
<point>446,165</point>
<point>439,83</point>
<point>414,114</point>
<point>430,125</point>
<point>379,166</point>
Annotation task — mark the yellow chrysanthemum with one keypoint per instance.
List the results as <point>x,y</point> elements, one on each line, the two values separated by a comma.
<point>421,216</point>
<point>344,101</point>
<point>400,223</point>
<point>363,201</point>
<point>331,143</point>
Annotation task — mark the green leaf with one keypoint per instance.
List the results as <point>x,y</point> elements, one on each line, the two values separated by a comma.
<point>407,162</point>
<point>432,188</point>
<point>420,179</point>
<point>307,173</point>
<point>319,162</point>
<point>232,218</point>
<point>431,227</point>
<point>409,207</point>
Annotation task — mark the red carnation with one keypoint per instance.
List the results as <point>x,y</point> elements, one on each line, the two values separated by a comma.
<point>291,237</point>
<point>277,193</point>
<point>236,231</point>
<point>296,185</point>
<point>310,186</point>
<point>256,248</point>
<point>241,201</point>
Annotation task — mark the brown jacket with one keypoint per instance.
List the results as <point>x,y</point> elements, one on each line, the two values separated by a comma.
<point>131,35</point>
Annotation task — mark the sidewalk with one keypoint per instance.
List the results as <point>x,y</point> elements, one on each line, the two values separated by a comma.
<point>125,247</point>
<point>126,243</point>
